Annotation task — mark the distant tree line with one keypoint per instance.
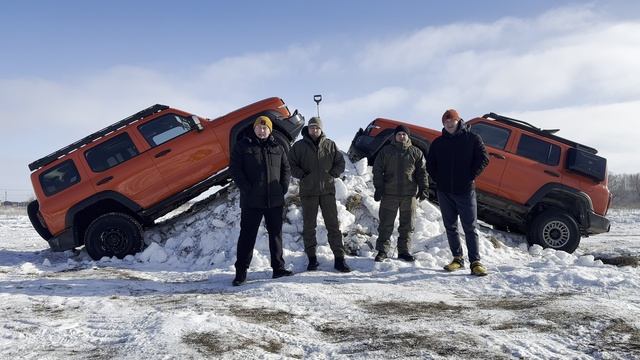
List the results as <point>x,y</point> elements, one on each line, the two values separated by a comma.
<point>625,190</point>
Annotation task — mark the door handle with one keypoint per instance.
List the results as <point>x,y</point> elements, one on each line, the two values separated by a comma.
<point>554,174</point>
<point>163,153</point>
<point>104,181</point>
<point>498,156</point>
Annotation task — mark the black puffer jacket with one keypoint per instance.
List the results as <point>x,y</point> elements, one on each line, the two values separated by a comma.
<point>260,169</point>
<point>455,160</point>
<point>316,164</point>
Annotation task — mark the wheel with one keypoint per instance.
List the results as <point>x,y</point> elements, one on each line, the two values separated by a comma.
<point>282,140</point>
<point>113,234</point>
<point>555,229</point>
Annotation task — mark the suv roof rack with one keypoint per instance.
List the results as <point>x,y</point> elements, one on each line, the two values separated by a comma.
<point>549,133</point>
<point>98,134</point>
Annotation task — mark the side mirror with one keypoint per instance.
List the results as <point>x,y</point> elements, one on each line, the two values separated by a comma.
<point>196,122</point>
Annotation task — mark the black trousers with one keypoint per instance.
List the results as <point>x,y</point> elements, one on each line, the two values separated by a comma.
<point>249,224</point>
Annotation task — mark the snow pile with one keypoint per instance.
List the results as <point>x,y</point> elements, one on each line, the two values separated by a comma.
<point>207,239</point>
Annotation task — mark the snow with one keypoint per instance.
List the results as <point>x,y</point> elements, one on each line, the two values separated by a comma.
<point>175,299</point>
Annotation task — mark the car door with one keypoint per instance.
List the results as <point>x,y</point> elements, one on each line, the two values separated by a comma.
<point>117,164</point>
<point>183,156</point>
<point>533,165</point>
<point>495,139</point>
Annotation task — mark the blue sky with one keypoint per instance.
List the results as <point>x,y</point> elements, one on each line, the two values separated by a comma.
<point>69,68</point>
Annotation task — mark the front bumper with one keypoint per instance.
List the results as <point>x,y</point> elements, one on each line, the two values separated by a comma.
<point>361,146</point>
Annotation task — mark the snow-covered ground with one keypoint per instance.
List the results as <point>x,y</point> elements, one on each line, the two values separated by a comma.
<point>175,299</point>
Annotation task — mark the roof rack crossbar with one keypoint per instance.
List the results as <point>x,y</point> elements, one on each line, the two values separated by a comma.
<point>87,139</point>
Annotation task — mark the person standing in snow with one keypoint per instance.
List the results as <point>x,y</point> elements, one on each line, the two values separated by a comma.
<point>316,161</point>
<point>260,169</point>
<point>399,177</point>
<point>455,159</point>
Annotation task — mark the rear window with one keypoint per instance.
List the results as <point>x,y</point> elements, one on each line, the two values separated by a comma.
<point>164,128</point>
<point>493,136</point>
<point>538,150</point>
<point>59,178</point>
<point>111,153</point>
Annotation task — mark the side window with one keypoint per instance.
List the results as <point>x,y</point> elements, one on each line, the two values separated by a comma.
<point>493,136</point>
<point>111,153</point>
<point>164,128</point>
<point>59,178</point>
<point>538,150</point>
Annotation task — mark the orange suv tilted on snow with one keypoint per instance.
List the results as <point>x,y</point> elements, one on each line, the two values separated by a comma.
<point>101,190</point>
<point>552,189</point>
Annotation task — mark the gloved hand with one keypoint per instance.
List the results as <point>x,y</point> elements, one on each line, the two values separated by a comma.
<point>377,195</point>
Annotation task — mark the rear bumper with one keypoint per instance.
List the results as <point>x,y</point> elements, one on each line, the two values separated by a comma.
<point>598,224</point>
<point>62,242</point>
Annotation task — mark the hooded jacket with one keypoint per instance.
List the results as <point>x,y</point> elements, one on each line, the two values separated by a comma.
<point>316,164</point>
<point>261,171</point>
<point>455,160</point>
<point>399,170</point>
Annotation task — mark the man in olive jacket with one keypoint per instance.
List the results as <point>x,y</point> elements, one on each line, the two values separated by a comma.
<point>399,177</point>
<point>316,161</point>
<point>455,160</point>
<point>260,169</point>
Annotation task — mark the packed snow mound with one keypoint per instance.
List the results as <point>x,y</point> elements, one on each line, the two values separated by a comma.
<point>206,239</point>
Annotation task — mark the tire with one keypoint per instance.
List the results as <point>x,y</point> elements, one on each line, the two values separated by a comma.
<point>113,234</point>
<point>282,140</point>
<point>555,229</point>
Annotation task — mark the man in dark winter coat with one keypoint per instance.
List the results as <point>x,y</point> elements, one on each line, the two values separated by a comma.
<point>455,159</point>
<point>260,169</point>
<point>316,161</point>
<point>399,177</point>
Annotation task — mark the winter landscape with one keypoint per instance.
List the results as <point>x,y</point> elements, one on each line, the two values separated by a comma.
<point>175,300</point>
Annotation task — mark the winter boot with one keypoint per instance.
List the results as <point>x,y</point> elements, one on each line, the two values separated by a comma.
<point>341,265</point>
<point>477,269</point>
<point>241,277</point>
<point>456,264</point>
<point>278,273</point>
<point>406,257</point>
<point>313,263</point>
<point>381,256</point>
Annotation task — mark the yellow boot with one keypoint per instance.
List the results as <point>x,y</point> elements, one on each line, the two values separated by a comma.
<point>478,269</point>
<point>456,264</point>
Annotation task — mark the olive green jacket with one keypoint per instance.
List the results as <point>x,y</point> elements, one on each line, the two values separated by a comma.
<point>316,164</point>
<point>399,169</point>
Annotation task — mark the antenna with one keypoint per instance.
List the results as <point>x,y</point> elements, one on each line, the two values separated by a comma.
<point>317,99</point>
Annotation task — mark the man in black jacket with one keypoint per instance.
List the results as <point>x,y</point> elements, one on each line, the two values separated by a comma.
<point>260,169</point>
<point>455,159</point>
<point>316,161</point>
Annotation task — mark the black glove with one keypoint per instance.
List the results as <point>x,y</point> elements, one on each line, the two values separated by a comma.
<point>377,195</point>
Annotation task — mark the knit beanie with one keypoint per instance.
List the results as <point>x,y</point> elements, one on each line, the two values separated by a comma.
<point>402,128</point>
<point>315,121</point>
<point>450,114</point>
<point>263,120</point>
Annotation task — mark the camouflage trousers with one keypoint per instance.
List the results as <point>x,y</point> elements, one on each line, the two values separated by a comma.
<point>327,204</point>
<point>388,210</point>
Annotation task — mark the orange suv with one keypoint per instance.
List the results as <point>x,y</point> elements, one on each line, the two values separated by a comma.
<point>552,189</point>
<point>101,190</point>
